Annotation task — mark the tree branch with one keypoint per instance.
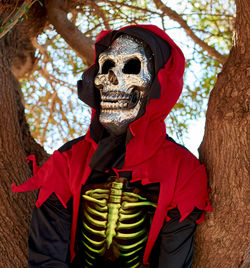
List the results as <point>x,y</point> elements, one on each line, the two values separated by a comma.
<point>51,111</point>
<point>102,15</point>
<point>145,10</point>
<point>10,22</point>
<point>83,45</point>
<point>176,17</point>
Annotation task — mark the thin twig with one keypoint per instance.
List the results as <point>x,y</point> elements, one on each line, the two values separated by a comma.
<point>100,13</point>
<point>176,17</point>
<point>144,10</point>
<point>51,111</point>
<point>20,12</point>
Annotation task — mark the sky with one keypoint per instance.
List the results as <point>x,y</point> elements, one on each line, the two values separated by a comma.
<point>195,135</point>
<point>192,139</point>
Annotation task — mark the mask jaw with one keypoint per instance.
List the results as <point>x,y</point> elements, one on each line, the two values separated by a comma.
<point>117,122</point>
<point>124,79</point>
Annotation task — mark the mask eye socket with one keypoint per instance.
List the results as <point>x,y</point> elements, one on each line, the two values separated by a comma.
<point>107,65</point>
<point>132,66</point>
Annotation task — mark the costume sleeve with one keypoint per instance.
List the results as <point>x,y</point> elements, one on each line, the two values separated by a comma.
<point>51,177</point>
<point>174,246</point>
<point>49,236</point>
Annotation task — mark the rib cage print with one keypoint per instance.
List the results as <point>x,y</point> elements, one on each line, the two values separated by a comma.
<point>115,224</point>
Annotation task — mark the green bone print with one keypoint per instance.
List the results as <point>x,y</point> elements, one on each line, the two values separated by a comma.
<point>114,220</point>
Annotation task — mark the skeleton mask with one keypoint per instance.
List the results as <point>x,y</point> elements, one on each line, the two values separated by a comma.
<point>124,78</point>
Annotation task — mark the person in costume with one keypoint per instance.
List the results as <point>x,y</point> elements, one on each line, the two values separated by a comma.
<point>125,194</point>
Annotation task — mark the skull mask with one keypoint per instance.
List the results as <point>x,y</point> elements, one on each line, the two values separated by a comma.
<point>124,79</point>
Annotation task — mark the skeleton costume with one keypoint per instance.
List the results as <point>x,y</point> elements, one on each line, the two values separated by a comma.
<point>125,194</point>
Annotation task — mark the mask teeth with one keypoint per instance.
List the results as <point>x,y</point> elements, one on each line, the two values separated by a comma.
<point>113,105</point>
<point>114,96</point>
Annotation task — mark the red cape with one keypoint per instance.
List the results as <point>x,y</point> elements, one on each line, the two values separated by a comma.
<point>149,155</point>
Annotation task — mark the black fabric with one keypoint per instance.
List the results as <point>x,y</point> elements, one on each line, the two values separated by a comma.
<point>100,261</point>
<point>109,153</point>
<point>174,247</point>
<point>49,236</point>
<point>67,146</point>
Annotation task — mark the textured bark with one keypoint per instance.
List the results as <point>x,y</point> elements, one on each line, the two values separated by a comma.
<point>24,61</point>
<point>223,241</point>
<point>15,144</point>
<point>14,210</point>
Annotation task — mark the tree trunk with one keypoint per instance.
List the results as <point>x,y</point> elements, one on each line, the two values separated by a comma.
<point>14,209</point>
<point>15,144</point>
<point>222,241</point>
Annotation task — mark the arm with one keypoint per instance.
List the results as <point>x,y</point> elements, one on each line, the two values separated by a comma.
<point>174,246</point>
<point>49,236</point>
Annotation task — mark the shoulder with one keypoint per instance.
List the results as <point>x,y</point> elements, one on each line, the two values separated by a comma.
<point>68,145</point>
<point>180,153</point>
<point>177,145</point>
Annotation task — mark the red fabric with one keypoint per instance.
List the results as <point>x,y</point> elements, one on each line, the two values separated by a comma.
<point>149,156</point>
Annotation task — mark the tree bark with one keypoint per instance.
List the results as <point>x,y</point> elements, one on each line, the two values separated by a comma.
<point>14,210</point>
<point>15,144</point>
<point>223,240</point>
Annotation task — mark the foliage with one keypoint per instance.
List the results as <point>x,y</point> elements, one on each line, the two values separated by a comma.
<point>53,111</point>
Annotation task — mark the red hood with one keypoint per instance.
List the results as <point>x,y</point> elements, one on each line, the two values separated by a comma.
<point>149,130</point>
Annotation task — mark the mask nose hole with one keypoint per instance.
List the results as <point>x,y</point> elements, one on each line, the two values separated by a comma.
<point>112,78</point>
